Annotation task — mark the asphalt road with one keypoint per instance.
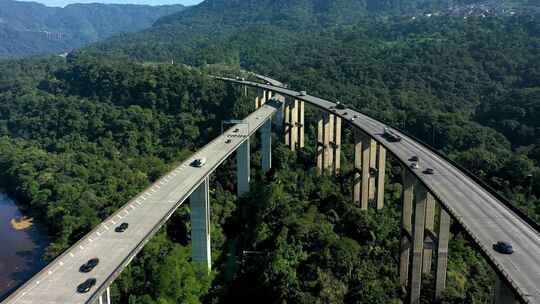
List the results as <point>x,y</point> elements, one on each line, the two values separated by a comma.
<point>485,218</point>
<point>146,213</point>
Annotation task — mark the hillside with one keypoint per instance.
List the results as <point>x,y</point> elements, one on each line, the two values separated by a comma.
<point>28,28</point>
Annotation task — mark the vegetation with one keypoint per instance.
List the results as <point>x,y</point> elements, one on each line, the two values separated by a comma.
<point>28,28</point>
<point>78,139</point>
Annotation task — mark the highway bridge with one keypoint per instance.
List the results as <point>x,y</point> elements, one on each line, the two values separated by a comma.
<point>486,217</point>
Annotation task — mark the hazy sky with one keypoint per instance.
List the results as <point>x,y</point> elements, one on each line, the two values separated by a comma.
<point>150,2</point>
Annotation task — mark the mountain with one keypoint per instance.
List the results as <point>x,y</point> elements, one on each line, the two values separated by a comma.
<point>197,35</point>
<point>28,28</point>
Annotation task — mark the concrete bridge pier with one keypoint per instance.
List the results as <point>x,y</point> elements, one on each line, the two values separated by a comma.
<point>266,145</point>
<point>336,145</point>
<point>429,239</point>
<point>357,177</point>
<point>503,294</point>
<point>442,253</point>
<point>300,124</point>
<point>200,224</point>
<point>293,128</point>
<point>366,147</point>
<point>420,201</point>
<point>243,168</point>
<point>287,121</point>
<point>409,183</point>
<point>320,145</point>
<point>381,175</point>
<point>105,297</point>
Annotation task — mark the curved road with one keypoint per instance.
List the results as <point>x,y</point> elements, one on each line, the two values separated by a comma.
<point>485,218</point>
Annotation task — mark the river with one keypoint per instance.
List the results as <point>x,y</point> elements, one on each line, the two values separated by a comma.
<point>21,251</point>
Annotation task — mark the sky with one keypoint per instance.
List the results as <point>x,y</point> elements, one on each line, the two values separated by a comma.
<point>63,3</point>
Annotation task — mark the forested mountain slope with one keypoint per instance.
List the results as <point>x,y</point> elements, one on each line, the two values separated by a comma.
<point>30,28</point>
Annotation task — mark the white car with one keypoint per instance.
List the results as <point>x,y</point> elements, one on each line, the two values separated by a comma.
<point>199,162</point>
<point>414,166</point>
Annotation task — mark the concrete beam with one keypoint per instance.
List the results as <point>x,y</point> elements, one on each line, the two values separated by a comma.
<point>503,294</point>
<point>442,254</point>
<point>337,144</point>
<point>105,297</point>
<point>243,168</point>
<point>200,225</point>
<point>381,175</point>
<point>266,145</point>
<point>301,128</point>
<point>430,229</point>
<point>420,199</point>
<point>294,125</point>
<point>372,164</point>
<point>287,122</point>
<point>320,145</point>
<point>366,145</point>
<point>409,183</point>
<point>357,167</point>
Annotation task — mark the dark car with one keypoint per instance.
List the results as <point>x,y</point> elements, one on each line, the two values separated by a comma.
<point>340,106</point>
<point>429,171</point>
<point>228,141</point>
<point>122,227</point>
<point>503,247</point>
<point>88,266</point>
<point>85,286</point>
<point>414,159</point>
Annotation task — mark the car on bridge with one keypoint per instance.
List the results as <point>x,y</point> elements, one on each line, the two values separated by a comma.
<point>302,93</point>
<point>503,247</point>
<point>122,227</point>
<point>88,266</point>
<point>199,162</point>
<point>429,171</point>
<point>390,135</point>
<point>85,286</point>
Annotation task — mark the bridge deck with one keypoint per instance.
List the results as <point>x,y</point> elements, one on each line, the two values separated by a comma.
<point>485,218</point>
<point>146,213</point>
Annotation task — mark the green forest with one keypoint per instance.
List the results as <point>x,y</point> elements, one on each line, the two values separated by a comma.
<point>79,138</point>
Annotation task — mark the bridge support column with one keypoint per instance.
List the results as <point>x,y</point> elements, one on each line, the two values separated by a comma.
<point>320,145</point>
<point>328,156</point>
<point>372,169</point>
<point>266,145</point>
<point>200,225</point>
<point>406,227</point>
<point>366,145</point>
<point>420,198</point>
<point>105,297</point>
<point>287,122</point>
<point>381,175</point>
<point>357,177</point>
<point>442,253</point>
<point>280,118</point>
<point>258,98</point>
<point>243,168</point>
<point>294,125</point>
<point>301,138</point>
<point>503,294</point>
<point>429,240</point>
<point>337,144</point>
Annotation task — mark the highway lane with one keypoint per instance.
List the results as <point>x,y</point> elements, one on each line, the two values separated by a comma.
<point>145,214</point>
<point>486,219</point>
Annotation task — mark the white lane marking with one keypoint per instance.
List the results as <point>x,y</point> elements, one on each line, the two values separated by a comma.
<point>157,186</point>
<point>105,226</point>
<point>119,216</point>
<point>153,190</point>
<point>132,206</point>
<point>71,255</point>
<point>139,203</point>
<point>90,240</point>
<point>81,246</point>
<point>113,222</point>
<point>50,272</point>
<point>172,201</point>
<point>98,233</point>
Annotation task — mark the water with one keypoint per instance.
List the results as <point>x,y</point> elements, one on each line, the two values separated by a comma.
<point>21,251</point>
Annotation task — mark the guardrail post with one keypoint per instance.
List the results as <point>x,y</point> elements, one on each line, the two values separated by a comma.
<point>301,138</point>
<point>503,294</point>
<point>337,144</point>
<point>294,125</point>
<point>243,168</point>
<point>429,227</point>
<point>442,253</point>
<point>381,176</point>
<point>200,224</point>
<point>105,297</point>
<point>366,145</point>
<point>266,145</point>
<point>406,226</point>
<point>357,167</point>
<point>420,198</point>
